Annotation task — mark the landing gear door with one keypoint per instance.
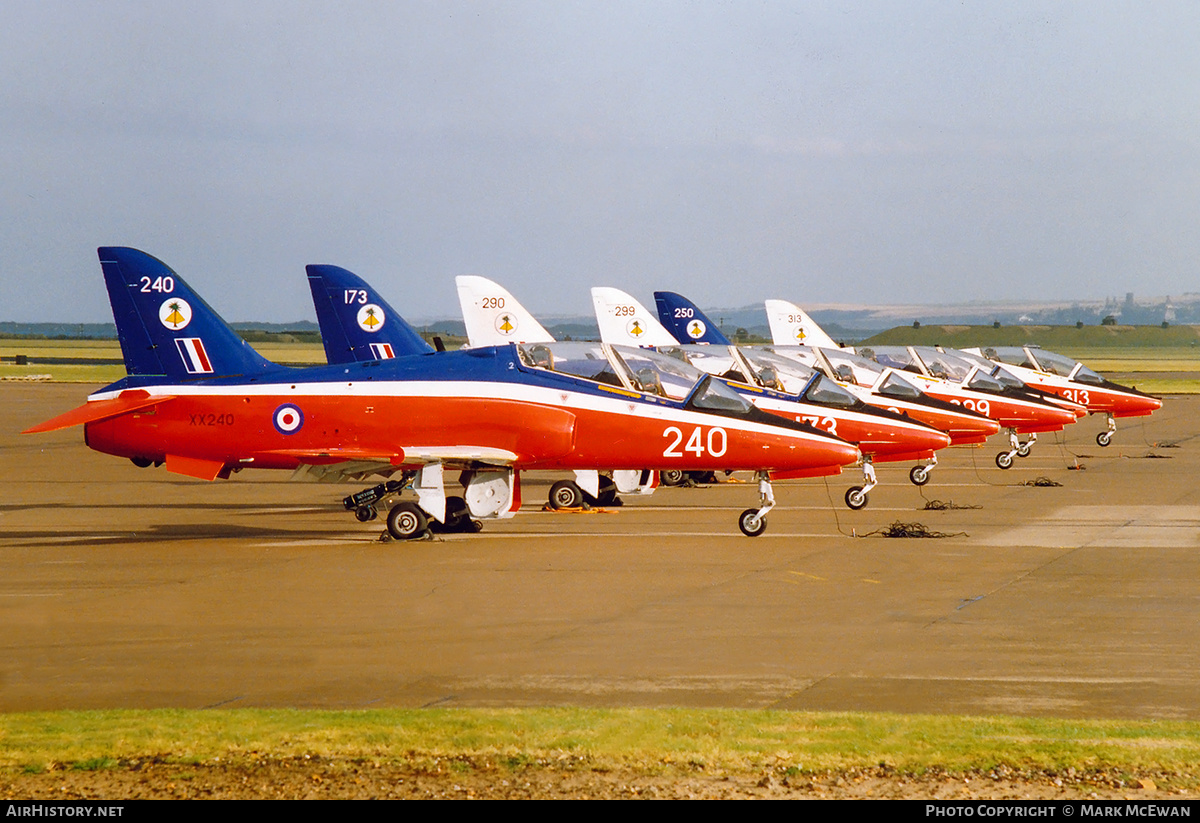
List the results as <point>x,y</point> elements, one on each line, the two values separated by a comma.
<point>431,493</point>
<point>634,481</point>
<point>589,481</point>
<point>493,493</point>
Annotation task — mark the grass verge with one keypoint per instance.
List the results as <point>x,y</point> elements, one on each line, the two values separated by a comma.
<point>652,741</point>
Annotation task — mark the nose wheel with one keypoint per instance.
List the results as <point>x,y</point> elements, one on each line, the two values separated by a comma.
<point>919,475</point>
<point>1104,438</point>
<point>1004,460</point>
<point>753,522</point>
<point>856,496</point>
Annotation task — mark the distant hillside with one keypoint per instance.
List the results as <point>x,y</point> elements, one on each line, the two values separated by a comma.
<point>1048,337</point>
<point>107,331</point>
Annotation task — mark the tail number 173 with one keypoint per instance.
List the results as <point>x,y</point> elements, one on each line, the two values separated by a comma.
<point>714,444</point>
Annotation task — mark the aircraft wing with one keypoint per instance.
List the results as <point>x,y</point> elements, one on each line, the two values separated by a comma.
<point>353,463</point>
<point>91,412</point>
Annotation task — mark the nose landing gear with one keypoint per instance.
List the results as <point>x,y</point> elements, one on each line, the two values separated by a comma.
<point>753,522</point>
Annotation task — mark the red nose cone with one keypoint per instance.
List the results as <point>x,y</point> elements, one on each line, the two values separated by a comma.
<point>964,429</point>
<point>903,442</point>
<point>1135,405</point>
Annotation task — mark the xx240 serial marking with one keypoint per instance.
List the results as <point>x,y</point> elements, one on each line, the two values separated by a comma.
<point>211,419</point>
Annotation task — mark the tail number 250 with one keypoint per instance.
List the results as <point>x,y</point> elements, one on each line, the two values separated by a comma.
<point>715,444</point>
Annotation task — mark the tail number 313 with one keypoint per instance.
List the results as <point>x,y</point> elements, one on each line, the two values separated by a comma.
<point>714,445</point>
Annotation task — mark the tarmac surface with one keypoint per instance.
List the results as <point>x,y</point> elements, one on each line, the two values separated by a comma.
<point>127,587</point>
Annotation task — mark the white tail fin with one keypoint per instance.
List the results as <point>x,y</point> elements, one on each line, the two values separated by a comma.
<point>791,326</point>
<point>493,316</point>
<point>624,321</point>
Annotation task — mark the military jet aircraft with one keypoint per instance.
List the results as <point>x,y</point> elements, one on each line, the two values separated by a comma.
<point>1018,408</point>
<point>777,385</point>
<point>202,402</point>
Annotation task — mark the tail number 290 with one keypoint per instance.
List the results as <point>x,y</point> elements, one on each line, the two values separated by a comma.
<point>715,444</point>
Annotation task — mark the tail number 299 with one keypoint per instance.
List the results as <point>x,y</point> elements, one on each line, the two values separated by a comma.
<point>714,444</point>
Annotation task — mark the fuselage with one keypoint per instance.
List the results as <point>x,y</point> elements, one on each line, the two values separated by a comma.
<point>479,407</point>
<point>1071,380</point>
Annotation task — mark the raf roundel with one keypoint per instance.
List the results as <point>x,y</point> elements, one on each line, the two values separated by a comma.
<point>370,318</point>
<point>696,329</point>
<point>288,419</point>
<point>175,313</point>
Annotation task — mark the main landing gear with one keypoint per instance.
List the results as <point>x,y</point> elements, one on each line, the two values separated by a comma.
<point>753,522</point>
<point>406,520</point>
<point>856,496</point>
<point>567,494</point>
<point>1105,437</point>
<point>1015,449</point>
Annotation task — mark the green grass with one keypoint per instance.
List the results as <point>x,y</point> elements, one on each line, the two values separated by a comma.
<point>1064,339</point>
<point>651,740</point>
<point>1171,361</point>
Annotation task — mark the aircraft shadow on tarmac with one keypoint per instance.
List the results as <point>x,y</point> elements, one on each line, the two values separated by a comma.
<point>176,532</point>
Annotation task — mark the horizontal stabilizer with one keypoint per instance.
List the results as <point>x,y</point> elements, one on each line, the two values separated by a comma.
<point>196,467</point>
<point>128,401</point>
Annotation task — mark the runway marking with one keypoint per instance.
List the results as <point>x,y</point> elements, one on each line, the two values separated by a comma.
<point>735,508</point>
<point>806,574</point>
<point>641,535</point>
<point>30,594</point>
<point>1107,526</point>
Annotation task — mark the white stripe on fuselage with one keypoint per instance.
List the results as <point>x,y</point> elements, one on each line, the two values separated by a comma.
<point>471,389</point>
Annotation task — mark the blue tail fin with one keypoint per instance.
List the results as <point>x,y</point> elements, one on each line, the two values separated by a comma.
<point>165,328</point>
<point>685,321</point>
<point>356,323</point>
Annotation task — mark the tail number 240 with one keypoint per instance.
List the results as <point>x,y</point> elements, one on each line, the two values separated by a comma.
<point>714,444</point>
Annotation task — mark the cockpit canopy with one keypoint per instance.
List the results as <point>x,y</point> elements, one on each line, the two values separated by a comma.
<point>1031,357</point>
<point>640,370</point>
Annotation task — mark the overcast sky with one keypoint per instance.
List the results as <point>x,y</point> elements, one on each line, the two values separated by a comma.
<point>903,152</point>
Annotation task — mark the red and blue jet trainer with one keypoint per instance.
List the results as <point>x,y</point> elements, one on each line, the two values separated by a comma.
<point>202,402</point>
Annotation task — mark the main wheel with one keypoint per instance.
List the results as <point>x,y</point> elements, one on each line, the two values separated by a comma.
<point>1004,460</point>
<point>856,498</point>
<point>565,494</point>
<point>1103,439</point>
<point>751,524</point>
<point>406,521</point>
<point>365,513</point>
<point>671,477</point>
<point>608,494</point>
<point>1024,449</point>
<point>919,475</point>
<point>458,516</point>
